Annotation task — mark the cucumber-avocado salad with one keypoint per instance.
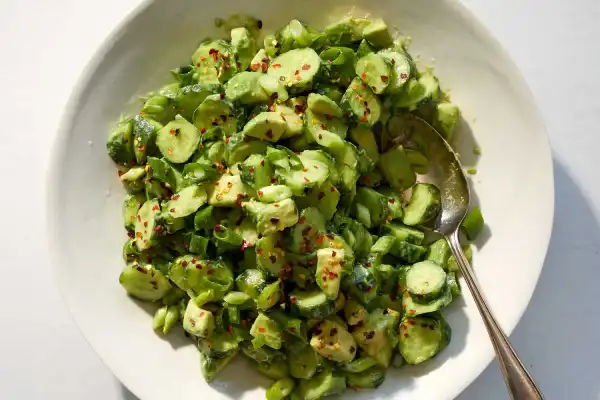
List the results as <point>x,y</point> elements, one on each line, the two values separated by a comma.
<point>268,207</point>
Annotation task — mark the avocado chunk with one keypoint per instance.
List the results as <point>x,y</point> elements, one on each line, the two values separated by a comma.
<point>144,281</point>
<point>333,341</point>
<point>243,45</point>
<point>266,332</point>
<point>374,336</point>
<point>378,35</point>
<point>329,271</point>
<point>245,88</point>
<point>228,191</point>
<point>198,321</point>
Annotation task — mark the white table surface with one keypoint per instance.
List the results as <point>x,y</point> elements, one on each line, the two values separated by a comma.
<point>45,44</point>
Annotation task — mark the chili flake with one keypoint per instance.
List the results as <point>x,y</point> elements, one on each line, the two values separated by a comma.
<point>384,78</point>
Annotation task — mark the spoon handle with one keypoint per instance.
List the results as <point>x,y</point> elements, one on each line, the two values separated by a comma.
<point>520,384</point>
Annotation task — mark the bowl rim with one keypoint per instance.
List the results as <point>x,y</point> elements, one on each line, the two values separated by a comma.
<point>65,125</point>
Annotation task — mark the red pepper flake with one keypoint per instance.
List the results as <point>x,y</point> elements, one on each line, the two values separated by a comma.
<point>145,224</point>
<point>403,75</point>
<point>262,163</point>
<point>274,96</point>
<point>142,270</point>
<point>411,323</point>
<point>276,205</point>
<point>364,85</point>
<point>264,67</point>
<point>369,289</point>
<point>333,332</point>
<point>261,329</point>
<point>333,189</point>
<point>407,295</point>
<point>292,329</point>
<point>320,195</point>
<point>142,147</point>
<point>324,127</point>
<point>273,180</point>
<point>391,201</point>
<point>269,134</point>
<point>320,136</point>
<point>411,311</point>
<point>366,180</point>
<point>209,272</point>
<point>333,275</point>
<point>245,245</point>
<point>299,108</point>
<point>328,117</point>
<point>333,254</point>
<point>202,313</point>
<point>217,228</point>
<point>227,140</point>
<point>259,251</point>
<point>364,118</point>
<point>274,220</point>
<point>214,53</point>
<point>130,234</point>
<point>244,322</point>
<point>260,193</point>
<point>297,72</point>
<point>304,169</point>
<point>172,210</point>
<point>403,327</point>
<point>184,264</point>
<point>155,207</point>
<point>384,78</point>
<point>363,76</point>
<point>275,66</point>
<point>305,67</point>
<point>324,278</point>
<point>230,328</point>
<point>222,95</point>
<point>203,130</point>
<point>255,67</point>
<point>301,220</point>
<point>406,335</point>
<point>306,179</point>
<point>273,259</point>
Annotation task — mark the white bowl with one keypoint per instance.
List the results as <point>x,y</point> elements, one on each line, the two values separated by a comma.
<point>514,186</point>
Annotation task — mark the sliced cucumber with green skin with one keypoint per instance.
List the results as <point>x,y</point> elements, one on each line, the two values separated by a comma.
<point>424,205</point>
<point>159,108</point>
<point>144,282</point>
<point>260,62</point>
<point>270,218</point>
<point>218,345</point>
<point>314,174</point>
<point>347,31</point>
<point>362,102</point>
<point>327,132</point>
<point>360,364</point>
<point>251,282</point>
<point>408,252</point>
<point>120,143</point>
<point>273,87</point>
<point>323,105</point>
<point>447,118</point>
<point>425,281</point>
<point>281,389</point>
<point>243,45</point>
<point>473,223</point>
<point>454,284</point>
<point>312,304</point>
<point>453,266</point>
<point>396,168</point>
<point>145,224</point>
<point>377,34</point>
<point>268,126</point>
<point>270,254</point>
<point>422,338</point>
<point>368,379</point>
<point>228,191</point>
<point>375,203</point>
<point>261,354</point>
<point>330,90</point>
<point>274,193</point>
<point>375,71</point>
<point>269,296</point>
<point>302,237</point>
<point>439,252</point>
<point>245,88</point>
<point>178,140</point>
<point>144,137</point>
<point>338,65</point>
<point>303,360</point>
<point>187,201</point>
<point>256,171</point>
<point>364,48</point>
<point>418,161</point>
<point>361,284</point>
<point>296,69</point>
<point>131,205</point>
<point>365,139</point>
<point>215,112</point>
<point>333,341</point>
<point>214,61</point>
<point>162,171</point>
<point>402,69</point>
<point>413,308</point>
<point>294,121</point>
<point>403,233</point>
<point>325,383</point>
<point>266,332</point>
<point>191,96</point>
<point>418,92</point>
<point>210,366</point>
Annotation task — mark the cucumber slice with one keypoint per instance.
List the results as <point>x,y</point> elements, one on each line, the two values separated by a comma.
<point>211,366</point>
<point>178,140</point>
<point>425,281</point>
<point>270,218</point>
<point>375,71</point>
<point>145,224</point>
<point>333,341</point>
<point>422,338</point>
<point>408,252</point>
<point>396,168</point>
<point>281,389</point>
<point>368,379</point>
<point>144,281</point>
<point>266,332</point>
<point>274,193</point>
<point>347,31</point>
<point>269,296</point>
<point>245,88</point>
<point>377,34</point>
<point>365,138</point>
<point>326,383</point>
<point>243,45</point>
<point>447,118</point>
<point>301,238</point>
<point>274,88</point>
<point>314,174</point>
<point>329,271</point>
<point>144,137</point>
<point>296,69</point>
<point>270,255</point>
<point>251,282</point>
<point>120,143</point>
<point>418,92</point>
<point>454,284</point>
<point>326,132</point>
<point>473,223</point>
<point>403,233</point>
<point>214,61</point>
<point>215,112</point>
<point>293,119</point>
<point>312,304</point>
<point>228,191</point>
<point>256,171</point>
<point>424,205</point>
<point>268,126</point>
<point>402,69</point>
<point>191,96</point>
<point>362,102</point>
<point>186,201</point>
<point>322,104</point>
<point>131,205</point>
<point>338,65</point>
<point>413,308</point>
<point>439,252</point>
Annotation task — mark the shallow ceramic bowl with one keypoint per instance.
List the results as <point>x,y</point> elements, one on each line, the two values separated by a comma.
<point>514,186</point>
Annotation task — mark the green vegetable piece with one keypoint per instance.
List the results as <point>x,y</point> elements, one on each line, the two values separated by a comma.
<point>219,345</point>
<point>418,162</point>
<point>375,71</point>
<point>281,389</point>
<point>361,284</point>
<point>260,62</point>
<point>453,284</point>
<point>274,88</point>
<point>120,143</point>
<point>362,102</point>
<point>270,218</point>
<point>360,364</point>
<point>196,276</point>
<point>252,282</point>
<point>313,174</point>
<point>263,354</point>
<point>329,272</point>
<point>364,48</point>
<point>424,204</point>
<point>296,69</point>
<point>215,112</point>
<point>330,90</point>
<point>338,65</point>
<point>296,35</point>
<point>191,96</point>
<point>198,321</point>
<point>256,171</point>
<point>268,126</point>
<point>171,318</point>
<point>425,281</point>
<point>368,379</point>
<point>274,193</point>
<point>145,224</point>
<point>236,298</point>
<point>355,313</point>
<point>312,304</point>
<point>422,338</point>
<point>418,92</point>
<point>241,146</point>
<point>347,31</point>
<point>377,34</point>
<point>266,332</point>
<point>377,336</point>
<point>158,321</point>
<point>269,296</point>
<point>159,108</point>
<point>178,140</point>
<point>184,75</point>
<point>211,366</point>
<point>439,252</point>
<point>322,104</point>
<point>408,252</point>
<point>403,69</point>
<point>187,201</point>
<point>403,233</point>
<point>245,88</point>
<point>228,191</point>
<point>214,61</point>
<point>134,174</point>
<point>303,360</point>
<point>131,205</point>
<point>365,139</point>
<point>333,342</point>
<point>144,134</point>
<point>271,45</point>
<point>396,168</point>
<point>327,132</point>
<point>293,119</point>
<point>414,308</point>
<point>270,255</point>
<point>473,223</point>
<point>376,205</point>
<point>276,370</point>
<point>447,118</point>
<point>144,281</point>
<point>452,266</point>
<point>243,45</point>
<point>325,383</point>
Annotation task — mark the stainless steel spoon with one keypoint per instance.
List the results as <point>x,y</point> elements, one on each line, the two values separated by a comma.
<point>447,174</point>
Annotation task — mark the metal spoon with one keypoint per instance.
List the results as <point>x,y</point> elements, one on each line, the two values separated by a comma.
<point>447,174</point>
